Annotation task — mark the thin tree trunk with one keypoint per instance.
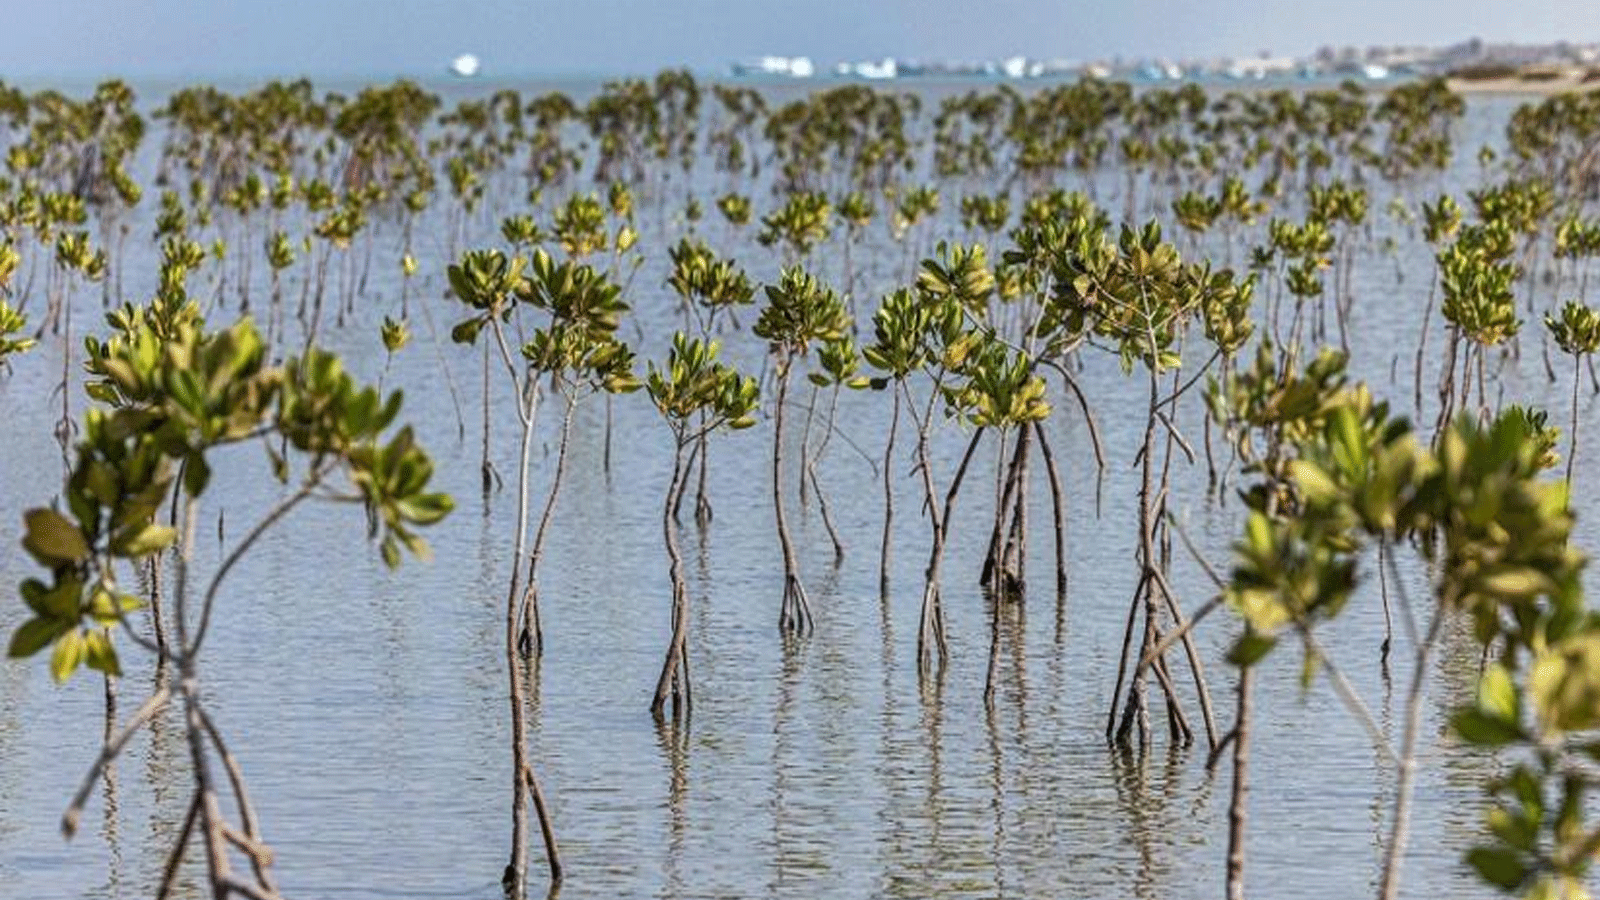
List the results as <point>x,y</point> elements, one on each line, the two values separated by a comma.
<point>888,501</point>
<point>485,467</point>
<point>794,614</point>
<point>530,640</point>
<point>674,679</point>
<point>1406,778</point>
<point>930,633</point>
<point>515,878</point>
<point>1238,804</point>
<point>522,781</point>
<point>1572,445</point>
<point>1058,508</point>
<point>812,464</point>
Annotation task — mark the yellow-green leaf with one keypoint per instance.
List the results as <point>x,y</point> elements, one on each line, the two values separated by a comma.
<point>53,539</point>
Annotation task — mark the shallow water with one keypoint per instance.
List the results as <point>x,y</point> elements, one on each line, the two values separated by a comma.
<point>368,711</point>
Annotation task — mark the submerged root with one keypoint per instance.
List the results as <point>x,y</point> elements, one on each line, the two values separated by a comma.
<point>530,639</point>
<point>931,644</point>
<point>794,617</point>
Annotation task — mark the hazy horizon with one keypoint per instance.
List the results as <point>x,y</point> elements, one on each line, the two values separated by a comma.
<point>223,38</point>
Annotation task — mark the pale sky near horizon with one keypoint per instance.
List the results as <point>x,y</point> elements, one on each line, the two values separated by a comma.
<point>220,38</point>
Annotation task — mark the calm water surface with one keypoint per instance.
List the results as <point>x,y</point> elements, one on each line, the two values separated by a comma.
<point>367,707</point>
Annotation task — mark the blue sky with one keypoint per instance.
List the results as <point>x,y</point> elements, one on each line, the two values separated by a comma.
<point>217,38</point>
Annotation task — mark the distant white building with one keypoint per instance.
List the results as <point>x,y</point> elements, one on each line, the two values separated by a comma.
<point>1261,67</point>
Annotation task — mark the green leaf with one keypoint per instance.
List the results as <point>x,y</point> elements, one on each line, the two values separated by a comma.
<point>1250,648</point>
<point>1500,867</point>
<point>67,656</point>
<point>99,654</point>
<point>391,553</point>
<point>32,636</point>
<point>1517,582</point>
<point>1497,694</point>
<point>151,539</point>
<point>1484,730</point>
<point>196,474</point>
<point>53,539</point>
<point>467,332</point>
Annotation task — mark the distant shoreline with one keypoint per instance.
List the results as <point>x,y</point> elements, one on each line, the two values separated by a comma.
<point>1532,81</point>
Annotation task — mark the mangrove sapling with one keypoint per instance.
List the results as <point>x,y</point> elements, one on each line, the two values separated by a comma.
<point>280,256</point>
<point>799,225</point>
<point>580,227</point>
<point>178,401</point>
<point>799,311</point>
<point>73,258</point>
<point>947,345</point>
<point>1577,332</point>
<point>415,202</point>
<point>1360,476</point>
<point>914,206</point>
<point>335,231</point>
<point>1337,204</point>
<point>1253,405</point>
<point>856,210</point>
<point>244,200</point>
<point>1002,393</point>
<point>1440,222</point>
<point>707,286</point>
<point>579,353</point>
<point>899,348</point>
<point>1475,277</point>
<point>487,282</point>
<point>961,277</point>
<point>1228,327</point>
<point>1140,295</point>
<point>695,395</point>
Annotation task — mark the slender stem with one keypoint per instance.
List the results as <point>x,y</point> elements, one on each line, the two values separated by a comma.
<point>112,748</point>
<point>1058,509</point>
<point>260,855</point>
<point>888,500</point>
<point>283,507</point>
<point>669,537</point>
<point>531,628</point>
<point>1572,444</point>
<point>1404,783</point>
<point>793,615</point>
<point>1238,804</point>
<point>515,878</point>
<point>169,873</point>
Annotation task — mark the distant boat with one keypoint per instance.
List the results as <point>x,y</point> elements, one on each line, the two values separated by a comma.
<point>465,65</point>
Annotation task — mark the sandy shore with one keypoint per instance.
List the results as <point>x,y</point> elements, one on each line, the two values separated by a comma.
<point>1541,85</point>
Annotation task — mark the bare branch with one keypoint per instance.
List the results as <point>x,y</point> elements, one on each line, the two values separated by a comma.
<point>247,814</point>
<point>169,874</point>
<point>113,747</point>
